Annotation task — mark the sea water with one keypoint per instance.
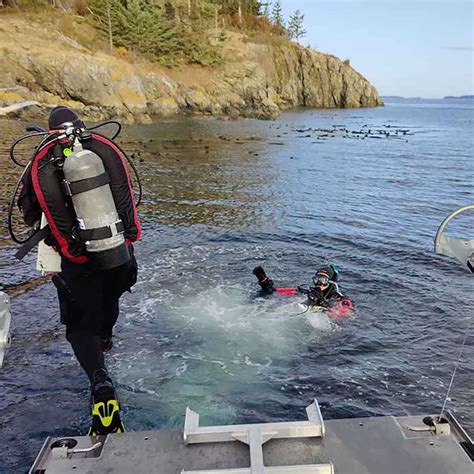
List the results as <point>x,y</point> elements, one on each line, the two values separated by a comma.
<point>364,189</point>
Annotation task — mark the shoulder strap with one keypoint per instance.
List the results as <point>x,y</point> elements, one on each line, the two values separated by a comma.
<point>32,242</point>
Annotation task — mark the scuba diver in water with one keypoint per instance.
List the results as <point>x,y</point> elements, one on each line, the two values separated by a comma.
<point>324,293</point>
<point>79,182</point>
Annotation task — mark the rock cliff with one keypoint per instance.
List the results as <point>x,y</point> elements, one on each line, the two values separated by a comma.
<point>255,80</point>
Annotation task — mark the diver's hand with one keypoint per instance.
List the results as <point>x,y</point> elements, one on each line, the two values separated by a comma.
<point>316,296</point>
<point>259,272</point>
<point>303,289</point>
<point>265,283</point>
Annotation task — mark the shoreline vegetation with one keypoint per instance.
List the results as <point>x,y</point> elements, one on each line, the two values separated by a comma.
<point>136,59</point>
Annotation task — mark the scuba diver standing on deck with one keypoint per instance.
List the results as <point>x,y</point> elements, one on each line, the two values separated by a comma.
<point>78,183</point>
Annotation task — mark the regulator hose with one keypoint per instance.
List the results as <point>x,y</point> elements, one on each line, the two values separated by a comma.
<point>117,133</point>
<point>22,138</point>
<point>10,209</point>
<point>44,143</point>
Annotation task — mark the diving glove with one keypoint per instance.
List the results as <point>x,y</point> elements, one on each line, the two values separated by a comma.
<point>259,272</point>
<point>316,297</point>
<point>105,407</point>
<point>265,283</point>
<point>303,289</point>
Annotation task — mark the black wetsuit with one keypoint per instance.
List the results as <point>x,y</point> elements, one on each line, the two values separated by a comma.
<point>89,306</point>
<point>317,297</point>
<point>88,298</point>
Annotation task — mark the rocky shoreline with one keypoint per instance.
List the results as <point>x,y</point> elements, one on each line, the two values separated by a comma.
<point>255,80</point>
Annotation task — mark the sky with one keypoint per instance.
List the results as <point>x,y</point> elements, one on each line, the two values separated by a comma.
<point>411,48</point>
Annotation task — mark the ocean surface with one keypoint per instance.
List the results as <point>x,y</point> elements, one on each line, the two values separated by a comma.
<point>364,189</point>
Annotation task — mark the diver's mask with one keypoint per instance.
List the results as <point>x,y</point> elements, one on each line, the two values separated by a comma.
<point>321,280</point>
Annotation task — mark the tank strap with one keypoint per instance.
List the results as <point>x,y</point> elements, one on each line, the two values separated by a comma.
<point>32,242</point>
<point>101,232</point>
<point>83,185</point>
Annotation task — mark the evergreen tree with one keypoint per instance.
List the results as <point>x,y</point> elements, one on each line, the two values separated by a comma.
<point>296,26</point>
<point>109,15</point>
<point>277,14</point>
<point>266,9</point>
<point>231,7</point>
<point>142,27</point>
<point>252,7</point>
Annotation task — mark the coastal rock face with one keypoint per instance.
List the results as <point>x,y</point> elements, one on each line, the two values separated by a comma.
<point>289,75</point>
<point>255,80</point>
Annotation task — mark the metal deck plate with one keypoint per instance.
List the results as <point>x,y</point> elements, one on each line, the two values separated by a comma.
<point>354,446</point>
<point>380,446</point>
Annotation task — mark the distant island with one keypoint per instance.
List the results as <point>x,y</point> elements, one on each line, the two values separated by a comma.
<point>399,98</point>
<point>462,97</point>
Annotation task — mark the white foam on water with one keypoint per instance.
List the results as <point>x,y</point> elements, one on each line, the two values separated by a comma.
<point>320,321</point>
<point>210,348</point>
<point>204,342</point>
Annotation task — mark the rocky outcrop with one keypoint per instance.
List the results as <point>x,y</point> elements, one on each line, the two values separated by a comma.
<point>256,80</point>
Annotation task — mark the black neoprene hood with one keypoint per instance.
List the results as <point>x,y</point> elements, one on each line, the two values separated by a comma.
<point>62,114</point>
<point>327,271</point>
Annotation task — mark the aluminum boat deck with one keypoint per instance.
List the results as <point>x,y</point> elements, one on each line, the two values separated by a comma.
<point>381,445</point>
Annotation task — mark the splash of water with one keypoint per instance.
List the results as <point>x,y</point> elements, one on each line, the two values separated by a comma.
<point>211,349</point>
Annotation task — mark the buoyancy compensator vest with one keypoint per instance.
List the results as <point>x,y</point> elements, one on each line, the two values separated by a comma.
<point>79,180</point>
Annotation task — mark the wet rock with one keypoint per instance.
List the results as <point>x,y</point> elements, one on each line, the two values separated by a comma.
<point>164,106</point>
